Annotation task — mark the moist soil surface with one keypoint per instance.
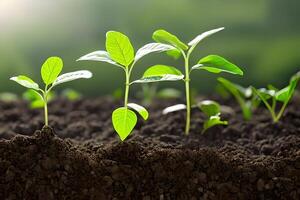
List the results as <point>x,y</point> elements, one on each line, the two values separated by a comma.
<point>81,157</point>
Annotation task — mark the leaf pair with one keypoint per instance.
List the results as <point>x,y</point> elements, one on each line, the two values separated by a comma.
<point>120,52</point>
<point>213,111</point>
<point>50,74</point>
<point>124,119</point>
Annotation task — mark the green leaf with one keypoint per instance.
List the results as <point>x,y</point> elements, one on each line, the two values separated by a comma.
<point>235,88</point>
<point>213,121</point>
<point>26,82</point>
<point>124,120</point>
<point>210,108</point>
<point>152,48</point>
<point>67,77</point>
<point>217,64</point>
<point>35,98</point>
<point>140,109</point>
<point>101,56</point>
<point>204,35</point>
<point>286,93</point>
<point>165,37</point>
<point>51,69</point>
<point>175,53</point>
<point>160,73</point>
<point>119,48</point>
<point>174,108</point>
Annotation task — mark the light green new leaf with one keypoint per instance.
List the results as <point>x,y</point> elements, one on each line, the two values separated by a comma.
<point>175,53</point>
<point>51,69</point>
<point>101,56</point>
<point>124,120</point>
<point>158,73</point>
<point>210,108</point>
<point>165,37</point>
<point>213,121</point>
<point>119,48</point>
<point>202,36</point>
<point>286,93</point>
<point>140,109</point>
<point>67,77</point>
<point>152,48</point>
<point>217,64</point>
<point>26,82</point>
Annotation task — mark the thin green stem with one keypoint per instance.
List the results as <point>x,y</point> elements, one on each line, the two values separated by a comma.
<point>281,111</point>
<point>126,88</point>
<point>187,93</point>
<point>46,106</point>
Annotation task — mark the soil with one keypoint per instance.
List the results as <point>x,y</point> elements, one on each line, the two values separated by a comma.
<point>82,157</point>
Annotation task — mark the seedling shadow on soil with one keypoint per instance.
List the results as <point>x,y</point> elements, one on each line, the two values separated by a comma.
<point>84,159</point>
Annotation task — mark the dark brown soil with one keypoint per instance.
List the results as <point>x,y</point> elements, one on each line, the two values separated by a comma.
<point>84,159</point>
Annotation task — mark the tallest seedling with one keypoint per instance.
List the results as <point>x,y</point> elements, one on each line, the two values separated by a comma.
<point>120,52</point>
<point>211,63</point>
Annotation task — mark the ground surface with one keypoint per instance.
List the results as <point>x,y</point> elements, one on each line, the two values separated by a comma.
<point>84,159</point>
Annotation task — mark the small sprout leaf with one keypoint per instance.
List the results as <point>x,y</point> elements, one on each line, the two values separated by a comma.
<point>175,53</point>
<point>213,121</point>
<point>25,82</point>
<point>210,108</point>
<point>71,94</point>
<point>124,120</point>
<point>202,36</point>
<point>67,77</point>
<point>217,64</point>
<point>283,94</point>
<point>158,73</point>
<point>51,69</point>
<point>174,108</point>
<point>140,109</point>
<point>119,48</point>
<point>165,37</point>
<point>101,56</point>
<point>152,48</point>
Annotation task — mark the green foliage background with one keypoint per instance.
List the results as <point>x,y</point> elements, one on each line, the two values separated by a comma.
<point>261,36</point>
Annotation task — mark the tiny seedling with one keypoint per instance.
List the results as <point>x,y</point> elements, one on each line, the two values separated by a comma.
<point>244,96</point>
<point>213,111</point>
<point>50,74</point>
<point>271,96</point>
<point>211,63</point>
<point>120,52</point>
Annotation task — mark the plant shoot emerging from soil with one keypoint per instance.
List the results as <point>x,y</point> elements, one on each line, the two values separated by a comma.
<point>272,96</point>
<point>211,63</point>
<point>50,72</point>
<point>120,52</point>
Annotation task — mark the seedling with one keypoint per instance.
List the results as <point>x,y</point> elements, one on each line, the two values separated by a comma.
<point>213,111</point>
<point>50,74</point>
<point>120,52</point>
<point>244,96</point>
<point>272,96</point>
<point>211,63</point>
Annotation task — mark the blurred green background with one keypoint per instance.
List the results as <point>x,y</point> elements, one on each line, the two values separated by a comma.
<point>261,36</point>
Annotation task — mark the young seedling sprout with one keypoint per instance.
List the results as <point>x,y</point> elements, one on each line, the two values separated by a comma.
<point>211,63</point>
<point>271,96</point>
<point>244,96</point>
<point>120,52</point>
<point>50,74</point>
